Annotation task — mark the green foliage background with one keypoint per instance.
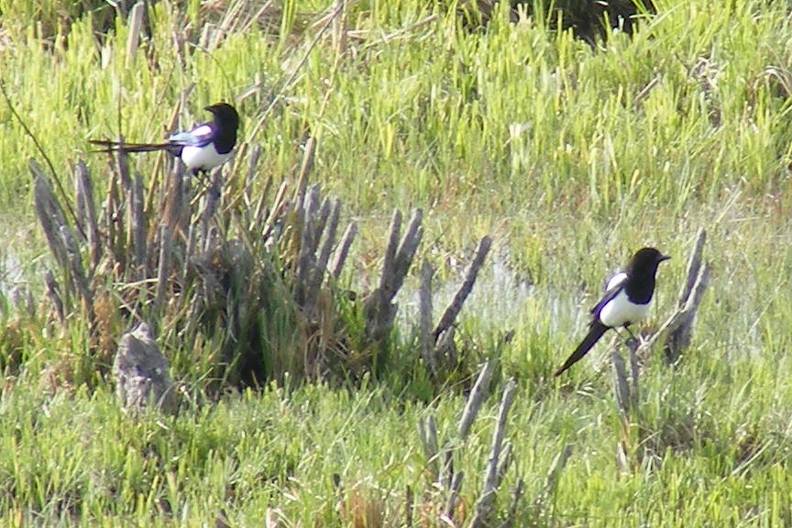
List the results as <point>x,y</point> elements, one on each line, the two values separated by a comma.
<point>572,157</point>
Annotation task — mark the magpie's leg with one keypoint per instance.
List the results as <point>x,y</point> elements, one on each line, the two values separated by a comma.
<point>202,176</point>
<point>633,340</point>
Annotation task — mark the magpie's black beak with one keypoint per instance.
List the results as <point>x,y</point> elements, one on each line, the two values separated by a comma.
<point>663,257</point>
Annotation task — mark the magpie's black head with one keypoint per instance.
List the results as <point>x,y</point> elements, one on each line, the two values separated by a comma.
<point>645,262</point>
<point>225,115</point>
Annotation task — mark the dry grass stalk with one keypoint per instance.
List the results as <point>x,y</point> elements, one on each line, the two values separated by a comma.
<point>678,339</point>
<point>627,396</point>
<point>310,226</point>
<point>388,266</point>
<point>491,476</point>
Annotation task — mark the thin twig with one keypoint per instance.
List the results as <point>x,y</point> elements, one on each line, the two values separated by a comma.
<point>41,150</point>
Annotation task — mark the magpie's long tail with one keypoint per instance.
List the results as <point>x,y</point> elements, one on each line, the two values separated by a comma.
<point>107,145</point>
<point>596,330</point>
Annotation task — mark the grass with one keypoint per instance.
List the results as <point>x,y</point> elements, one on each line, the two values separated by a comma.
<point>571,157</point>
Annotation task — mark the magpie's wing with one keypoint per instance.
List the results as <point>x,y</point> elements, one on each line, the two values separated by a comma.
<point>199,136</point>
<point>615,285</point>
<point>617,279</point>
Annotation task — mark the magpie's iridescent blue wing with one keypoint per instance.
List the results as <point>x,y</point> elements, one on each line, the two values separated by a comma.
<point>615,285</point>
<point>199,136</point>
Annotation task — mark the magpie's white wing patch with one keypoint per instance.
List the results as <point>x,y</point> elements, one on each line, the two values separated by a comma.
<point>616,280</point>
<point>197,137</point>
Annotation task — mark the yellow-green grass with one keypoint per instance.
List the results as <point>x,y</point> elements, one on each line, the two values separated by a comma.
<point>571,157</point>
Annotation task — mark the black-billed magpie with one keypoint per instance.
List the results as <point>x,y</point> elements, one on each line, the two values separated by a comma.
<point>626,301</point>
<point>203,148</point>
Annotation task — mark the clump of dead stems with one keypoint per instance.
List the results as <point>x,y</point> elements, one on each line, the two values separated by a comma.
<point>237,279</point>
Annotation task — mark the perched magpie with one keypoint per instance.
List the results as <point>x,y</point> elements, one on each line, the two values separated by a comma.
<point>626,301</point>
<point>203,148</point>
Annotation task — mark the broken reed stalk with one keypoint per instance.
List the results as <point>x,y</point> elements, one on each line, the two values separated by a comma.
<point>427,430</point>
<point>255,155</point>
<point>53,292</point>
<point>138,224</point>
<point>476,398</point>
<point>379,310</point>
<point>166,241</point>
<point>677,330</point>
<point>453,309</point>
<point>487,497</point>
<point>390,251</point>
<point>135,25</point>
<point>316,277</point>
<point>342,250</point>
<point>50,215</point>
<point>305,168</point>
<point>79,280</point>
<point>507,457</point>
<point>87,211</point>
<point>212,202</point>
<point>453,496</point>
<point>517,495</point>
<point>409,501</point>
<point>621,386</point>
<point>425,318</point>
<point>697,280</point>
<point>310,227</point>
<point>551,482</point>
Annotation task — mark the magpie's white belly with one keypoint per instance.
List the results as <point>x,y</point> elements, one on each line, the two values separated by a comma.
<point>205,157</point>
<point>620,311</point>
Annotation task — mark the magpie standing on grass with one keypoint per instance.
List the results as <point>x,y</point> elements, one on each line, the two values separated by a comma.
<point>203,148</point>
<point>626,301</point>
